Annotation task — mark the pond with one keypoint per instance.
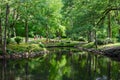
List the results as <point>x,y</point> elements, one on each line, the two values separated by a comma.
<point>61,64</point>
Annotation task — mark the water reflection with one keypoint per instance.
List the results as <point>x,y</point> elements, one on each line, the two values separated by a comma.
<point>3,71</point>
<point>61,64</point>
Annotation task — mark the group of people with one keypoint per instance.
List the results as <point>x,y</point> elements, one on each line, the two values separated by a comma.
<point>37,37</point>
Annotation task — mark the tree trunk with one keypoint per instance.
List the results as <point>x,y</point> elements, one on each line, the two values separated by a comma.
<point>88,33</point>
<point>95,39</point>
<point>1,47</point>
<point>26,31</point>
<point>90,36</point>
<point>109,70</point>
<point>60,34</point>
<point>6,25</point>
<point>12,25</point>
<point>47,32</point>
<point>109,27</point>
<point>14,32</point>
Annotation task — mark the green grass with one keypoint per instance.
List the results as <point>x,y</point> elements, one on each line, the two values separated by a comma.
<point>89,45</point>
<point>40,44</point>
<point>23,47</point>
<point>109,45</point>
<point>63,43</point>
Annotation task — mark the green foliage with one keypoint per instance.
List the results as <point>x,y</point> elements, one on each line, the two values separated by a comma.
<point>41,45</point>
<point>18,39</point>
<point>109,40</point>
<point>68,43</point>
<point>81,39</point>
<point>64,36</point>
<point>102,33</point>
<point>77,38</point>
<point>8,40</point>
<point>118,38</point>
<point>105,41</point>
<point>89,45</point>
<point>1,52</point>
<point>74,37</point>
<point>61,18</point>
<point>24,48</point>
<point>35,42</point>
<point>100,41</point>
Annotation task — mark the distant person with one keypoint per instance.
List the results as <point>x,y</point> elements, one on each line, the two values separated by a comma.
<point>35,37</point>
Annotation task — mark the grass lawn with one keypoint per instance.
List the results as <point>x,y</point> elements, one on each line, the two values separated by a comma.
<point>109,45</point>
<point>91,45</point>
<point>40,44</point>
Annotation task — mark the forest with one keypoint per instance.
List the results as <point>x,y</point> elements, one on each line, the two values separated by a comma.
<point>75,20</point>
<point>31,28</point>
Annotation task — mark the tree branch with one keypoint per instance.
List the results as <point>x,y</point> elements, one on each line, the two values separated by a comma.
<point>106,12</point>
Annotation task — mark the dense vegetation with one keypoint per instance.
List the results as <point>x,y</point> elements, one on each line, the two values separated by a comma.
<point>81,20</point>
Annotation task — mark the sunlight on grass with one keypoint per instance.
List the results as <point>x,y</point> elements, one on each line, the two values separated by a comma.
<point>89,45</point>
<point>23,47</point>
<point>109,45</point>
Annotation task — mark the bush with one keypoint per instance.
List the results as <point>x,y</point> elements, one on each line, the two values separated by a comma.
<point>18,40</point>
<point>100,42</point>
<point>64,36</point>
<point>8,40</point>
<point>81,39</point>
<point>35,42</point>
<point>118,38</point>
<point>74,37</point>
<point>89,45</point>
<point>41,45</point>
<point>14,48</point>
<point>105,41</point>
<point>108,40</point>
<point>1,52</point>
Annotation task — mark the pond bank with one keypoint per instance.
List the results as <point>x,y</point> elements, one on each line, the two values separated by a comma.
<point>28,49</point>
<point>23,55</point>
<point>112,52</point>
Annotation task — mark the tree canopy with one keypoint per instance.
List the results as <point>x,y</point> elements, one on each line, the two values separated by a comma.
<point>59,18</point>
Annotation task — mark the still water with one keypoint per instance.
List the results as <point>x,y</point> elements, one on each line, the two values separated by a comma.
<point>61,64</point>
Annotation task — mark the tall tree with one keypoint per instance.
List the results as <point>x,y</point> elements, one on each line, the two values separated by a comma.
<point>6,25</point>
<point>0,31</point>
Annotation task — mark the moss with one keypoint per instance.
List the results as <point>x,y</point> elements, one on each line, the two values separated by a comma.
<point>23,48</point>
<point>109,45</point>
<point>89,45</point>
<point>64,43</point>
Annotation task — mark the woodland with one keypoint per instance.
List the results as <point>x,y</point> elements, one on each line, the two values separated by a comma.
<point>34,25</point>
<point>59,39</point>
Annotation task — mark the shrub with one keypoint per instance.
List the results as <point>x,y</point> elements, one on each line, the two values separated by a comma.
<point>105,41</point>
<point>61,44</point>
<point>89,45</point>
<point>118,38</point>
<point>81,39</point>
<point>8,40</point>
<point>18,40</point>
<point>108,40</point>
<point>41,45</point>
<point>74,37</point>
<point>64,36</point>
<point>13,48</point>
<point>1,52</point>
<point>100,42</point>
<point>35,42</point>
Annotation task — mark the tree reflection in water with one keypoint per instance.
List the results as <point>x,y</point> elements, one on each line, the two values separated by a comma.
<point>61,64</point>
